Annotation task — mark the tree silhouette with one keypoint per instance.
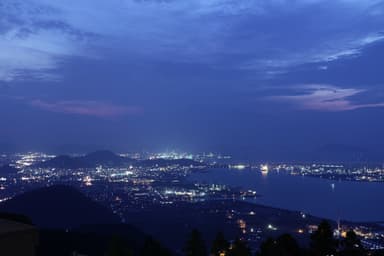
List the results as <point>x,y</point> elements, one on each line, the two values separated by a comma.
<point>152,247</point>
<point>195,245</point>
<point>284,245</point>
<point>288,245</point>
<point>322,241</point>
<point>219,245</point>
<point>352,245</point>
<point>117,248</point>
<point>268,248</point>
<point>239,248</point>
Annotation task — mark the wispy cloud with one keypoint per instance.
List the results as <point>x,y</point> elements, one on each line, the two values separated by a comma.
<point>32,56</point>
<point>86,108</point>
<point>34,41</point>
<point>326,98</point>
<point>322,54</point>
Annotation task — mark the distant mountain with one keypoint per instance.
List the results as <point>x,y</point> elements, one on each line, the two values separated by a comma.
<point>64,162</point>
<point>109,159</point>
<point>102,157</point>
<point>59,207</point>
<point>105,157</point>
<point>74,148</point>
<point>7,169</point>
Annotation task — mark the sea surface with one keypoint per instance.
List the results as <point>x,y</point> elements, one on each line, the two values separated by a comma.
<point>347,200</point>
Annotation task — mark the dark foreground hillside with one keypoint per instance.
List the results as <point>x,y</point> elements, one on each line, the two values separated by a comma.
<point>59,207</point>
<point>68,223</point>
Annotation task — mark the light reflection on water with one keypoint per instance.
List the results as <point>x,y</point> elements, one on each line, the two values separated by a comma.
<point>356,201</point>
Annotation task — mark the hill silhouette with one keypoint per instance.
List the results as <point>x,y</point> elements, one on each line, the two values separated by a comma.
<point>69,223</point>
<point>91,160</point>
<point>59,207</point>
<point>105,157</point>
<point>64,162</point>
<point>108,159</point>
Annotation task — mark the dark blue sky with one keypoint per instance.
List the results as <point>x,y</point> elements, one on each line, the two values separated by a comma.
<point>249,77</point>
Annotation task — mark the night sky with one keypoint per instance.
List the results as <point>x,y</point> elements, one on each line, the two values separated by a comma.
<point>266,78</point>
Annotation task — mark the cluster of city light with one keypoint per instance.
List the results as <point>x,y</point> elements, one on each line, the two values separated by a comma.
<point>139,185</point>
<point>333,171</point>
<point>31,158</point>
<point>173,155</point>
<point>238,166</point>
<point>4,199</point>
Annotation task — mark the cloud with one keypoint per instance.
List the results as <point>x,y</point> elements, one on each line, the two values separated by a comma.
<point>86,108</point>
<point>20,57</point>
<point>34,42</point>
<point>272,36</point>
<point>326,98</point>
<point>321,54</point>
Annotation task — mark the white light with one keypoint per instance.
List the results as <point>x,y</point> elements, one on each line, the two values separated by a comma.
<point>239,167</point>
<point>264,168</point>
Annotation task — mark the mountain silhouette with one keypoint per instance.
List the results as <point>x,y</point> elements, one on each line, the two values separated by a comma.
<point>91,160</point>
<point>64,162</point>
<point>59,207</point>
<point>109,159</point>
<point>68,223</point>
<point>105,157</point>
